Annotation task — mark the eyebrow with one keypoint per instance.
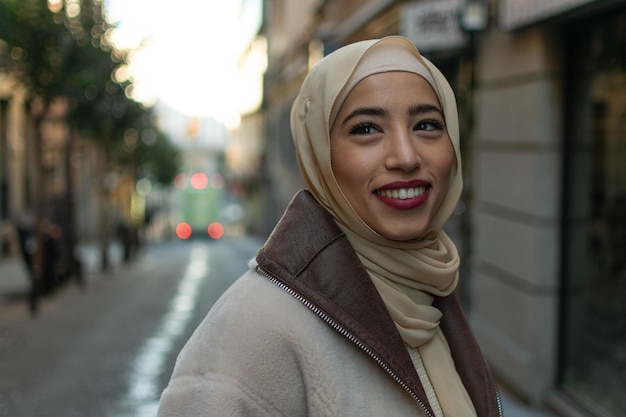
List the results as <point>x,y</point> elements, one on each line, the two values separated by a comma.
<point>414,110</point>
<point>365,111</point>
<point>424,108</point>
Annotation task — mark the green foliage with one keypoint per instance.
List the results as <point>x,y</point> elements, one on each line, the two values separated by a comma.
<point>36,41</point>
<point>57,53</point>
<point>151,152</point>
<point>161,159</point>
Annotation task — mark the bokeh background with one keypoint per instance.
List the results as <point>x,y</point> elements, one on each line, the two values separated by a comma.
<point>139,137</point>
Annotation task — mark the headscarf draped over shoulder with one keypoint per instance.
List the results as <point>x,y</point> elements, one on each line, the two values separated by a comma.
<point>407,274</point>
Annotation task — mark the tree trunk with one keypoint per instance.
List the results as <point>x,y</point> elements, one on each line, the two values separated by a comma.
<point>70,232</point>
<point>38,258</point>
<point>104,210</point>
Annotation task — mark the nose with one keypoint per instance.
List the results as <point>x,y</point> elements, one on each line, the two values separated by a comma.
<point>402,152</point>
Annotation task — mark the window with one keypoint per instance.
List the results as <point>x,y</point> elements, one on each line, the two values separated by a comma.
<point>593,361</point>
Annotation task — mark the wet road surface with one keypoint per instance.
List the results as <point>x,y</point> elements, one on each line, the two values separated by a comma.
<point>108,350</point>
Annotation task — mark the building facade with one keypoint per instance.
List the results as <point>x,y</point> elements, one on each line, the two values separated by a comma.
<point>14,167</point>
<point>541,88</point>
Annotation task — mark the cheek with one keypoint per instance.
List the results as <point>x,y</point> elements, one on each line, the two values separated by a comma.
<point>448,169</point>
<point>350,167</point>
<point>447,164</point>
<point>342,169</point>
<point>337,165</point>
<point>352,164</point>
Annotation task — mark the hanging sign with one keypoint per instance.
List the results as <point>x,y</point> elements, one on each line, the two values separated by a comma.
<point>433,25</point>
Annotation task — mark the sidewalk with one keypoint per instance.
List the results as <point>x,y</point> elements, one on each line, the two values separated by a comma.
<point>15,282</point>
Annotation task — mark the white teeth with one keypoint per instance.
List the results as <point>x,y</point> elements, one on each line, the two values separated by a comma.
<point>402,193</point>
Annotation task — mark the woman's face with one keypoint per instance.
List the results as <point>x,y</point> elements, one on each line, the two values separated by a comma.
<point>391,154</point>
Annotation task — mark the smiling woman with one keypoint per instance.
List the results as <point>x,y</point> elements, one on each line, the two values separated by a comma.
<point>349,309</point>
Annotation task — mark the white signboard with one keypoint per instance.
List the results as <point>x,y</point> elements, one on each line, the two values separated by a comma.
<point>433,25</point>
<point>517,13</point>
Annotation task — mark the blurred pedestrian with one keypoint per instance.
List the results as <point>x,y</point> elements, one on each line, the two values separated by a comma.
<point>349,308</point>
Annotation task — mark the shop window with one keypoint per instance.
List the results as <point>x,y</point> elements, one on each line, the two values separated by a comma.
<point>593,357</point>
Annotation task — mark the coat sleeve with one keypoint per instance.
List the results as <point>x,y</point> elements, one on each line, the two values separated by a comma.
<point>212,395</point>
<point>241,360</point>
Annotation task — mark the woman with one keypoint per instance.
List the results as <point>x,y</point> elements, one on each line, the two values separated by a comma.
<point>349,307</point>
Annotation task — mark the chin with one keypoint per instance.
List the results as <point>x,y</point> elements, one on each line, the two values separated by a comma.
<point>402,236</point>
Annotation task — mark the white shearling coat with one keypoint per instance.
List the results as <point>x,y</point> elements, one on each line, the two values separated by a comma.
<point>309,336</point>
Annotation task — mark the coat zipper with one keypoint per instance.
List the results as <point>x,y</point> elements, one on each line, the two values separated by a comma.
<point>496,389</point>
<point>347,334</point>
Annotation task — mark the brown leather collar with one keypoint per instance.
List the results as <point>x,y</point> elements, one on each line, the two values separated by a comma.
<point>310,255</point>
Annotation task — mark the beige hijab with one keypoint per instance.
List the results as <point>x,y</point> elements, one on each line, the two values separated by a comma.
<point>407,274</point>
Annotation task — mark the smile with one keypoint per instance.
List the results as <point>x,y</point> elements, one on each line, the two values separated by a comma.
<point>402,193</point>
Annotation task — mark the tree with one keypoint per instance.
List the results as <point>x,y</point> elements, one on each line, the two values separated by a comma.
<point>60,50</point>
<point>38,42</point>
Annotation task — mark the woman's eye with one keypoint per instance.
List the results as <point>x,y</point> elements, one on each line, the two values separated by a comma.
<point>363,129</point>
<point>429,125</point>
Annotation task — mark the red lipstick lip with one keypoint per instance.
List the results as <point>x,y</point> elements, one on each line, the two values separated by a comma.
<point>404,184</point>
<point>409,203</point>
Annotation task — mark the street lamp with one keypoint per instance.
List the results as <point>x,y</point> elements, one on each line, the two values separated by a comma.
<point>474,16</point>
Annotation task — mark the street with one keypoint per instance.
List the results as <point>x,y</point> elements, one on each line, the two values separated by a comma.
<point>108,349</point>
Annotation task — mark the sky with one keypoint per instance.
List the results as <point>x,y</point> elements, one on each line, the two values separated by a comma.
<point>186,52</point>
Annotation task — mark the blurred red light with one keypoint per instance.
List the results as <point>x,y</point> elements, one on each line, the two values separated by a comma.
<point>216,230</point>
<point>180,181</point>
<point>199,181</point>
<point>183,231</point>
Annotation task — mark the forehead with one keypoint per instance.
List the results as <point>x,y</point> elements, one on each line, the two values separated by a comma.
<point>394,87</point>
